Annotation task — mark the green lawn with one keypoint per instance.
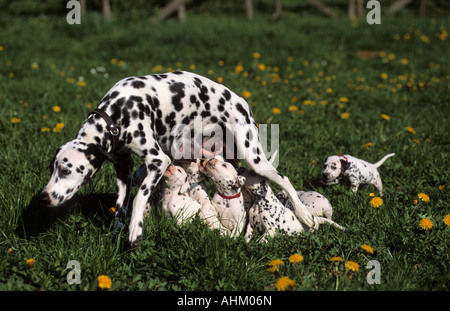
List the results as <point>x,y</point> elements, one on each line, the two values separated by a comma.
<point>325,82</point>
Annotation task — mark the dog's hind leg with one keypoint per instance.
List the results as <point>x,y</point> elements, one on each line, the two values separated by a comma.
<point>250,148</point>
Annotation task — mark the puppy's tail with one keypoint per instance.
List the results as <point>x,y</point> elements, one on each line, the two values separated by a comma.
<point>384,159</point>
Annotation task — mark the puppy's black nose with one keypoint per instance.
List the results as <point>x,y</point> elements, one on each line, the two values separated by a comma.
<point>45,198</point>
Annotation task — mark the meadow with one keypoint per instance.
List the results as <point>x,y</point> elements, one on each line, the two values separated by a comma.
<point>334,86</point>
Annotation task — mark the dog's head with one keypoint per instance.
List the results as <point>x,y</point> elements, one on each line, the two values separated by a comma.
<point>223,174</point>
<point>256,184</point>
<point>175,176</point>
<point>333,168</point>
<point>73,165</point>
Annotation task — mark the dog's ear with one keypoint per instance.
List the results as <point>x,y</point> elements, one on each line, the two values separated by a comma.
<point>344,165</point>
<point>52,164</point>
<point>98,155</point>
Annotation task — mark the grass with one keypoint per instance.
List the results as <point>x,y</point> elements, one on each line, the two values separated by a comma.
<point>312,69</point>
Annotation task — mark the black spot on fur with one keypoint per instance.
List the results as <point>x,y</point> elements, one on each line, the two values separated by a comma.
<point>138,84</point>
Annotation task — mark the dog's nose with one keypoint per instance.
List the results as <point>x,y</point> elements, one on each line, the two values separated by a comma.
<point>45,198</point>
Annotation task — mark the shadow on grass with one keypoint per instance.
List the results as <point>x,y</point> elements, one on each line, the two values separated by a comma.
<point>38,218</point>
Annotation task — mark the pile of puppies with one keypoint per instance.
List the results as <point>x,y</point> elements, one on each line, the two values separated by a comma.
<point>244,197</point>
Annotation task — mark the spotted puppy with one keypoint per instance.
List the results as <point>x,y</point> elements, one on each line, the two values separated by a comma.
<point>267,214</point>
<point>144,116</point>
<point>176,203</point>
<point>315,202</point>
<point>228,200</point>
<point>198,191</point>
<point>357,171</point>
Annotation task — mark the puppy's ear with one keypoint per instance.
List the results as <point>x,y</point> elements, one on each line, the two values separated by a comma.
<point>344,165</point>
<point>98,155</point>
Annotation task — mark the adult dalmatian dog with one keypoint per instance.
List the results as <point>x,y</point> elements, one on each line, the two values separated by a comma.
<point>142,115</point>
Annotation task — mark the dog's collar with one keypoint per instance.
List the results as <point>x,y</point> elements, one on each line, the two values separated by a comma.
<point>113,129</point>
<point>229,197</point>
<point>192,187</point>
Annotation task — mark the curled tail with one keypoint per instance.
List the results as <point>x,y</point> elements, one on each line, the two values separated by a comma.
<point>384,159</point>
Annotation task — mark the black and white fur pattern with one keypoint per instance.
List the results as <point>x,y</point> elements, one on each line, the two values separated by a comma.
<point>315,202</point>
<point>267,214</point>
<point>176,203</point>
<point>228,200</point>
<point>147,111</point>
<point>357,171</point>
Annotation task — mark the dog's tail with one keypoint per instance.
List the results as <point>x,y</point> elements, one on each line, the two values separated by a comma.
<point>273,157</point>
<point>384,159</point>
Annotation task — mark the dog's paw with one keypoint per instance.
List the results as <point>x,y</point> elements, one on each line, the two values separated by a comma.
<point>136,234</point>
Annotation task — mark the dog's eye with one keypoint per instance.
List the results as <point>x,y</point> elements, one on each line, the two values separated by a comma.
<point>224,165</point>
<point>65,171</point>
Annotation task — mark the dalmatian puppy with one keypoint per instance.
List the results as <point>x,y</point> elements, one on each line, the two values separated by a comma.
<point>315,202</point>
<point>145,116</point>
<point>227,201</point>
<point>357,171</point>
<point>176,203</point>
<point>198,191</point>
<point>267,214</point>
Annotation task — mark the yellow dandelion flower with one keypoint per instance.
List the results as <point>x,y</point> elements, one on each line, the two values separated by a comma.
<point>367,248</point>
<point>246,94</point>
<point>371,194</point>
<point>1,48</point>
<point>104,282</point>
<point>221,63</point>
<point>70,80</point>
<point>329,90</point>
<point>447,219</point>
<point>58,127</point>
<point>441,187</point>
<point>384,116</point>
<point>34,66</point>
<point>293,108</point>
<point>416,141</point>
<point>274,265</point>
<point>276,110</point>
<point>192,67</point>
<point>45,129</point>
<point>295,258</point>
<point>336,258</point>
<point>404,61</point>
<point>425,39</point>
<point>425,224</point>
<point>15,120</point>
<point>114,61</point>
<point>112,210</point>
<point>81,83</point>
<point>345,115</point>
<point>220,79</point>
<point>256,55</point>
<point>423,197</point>
<point>351,265</point>
<point>120,63</point>
<point>324,102</point>
<point>384,75</point>
<point>376,202</point>
<point>239,68</point>
<point>343,100</point>
<point>261,67</point>
<point>415,202</point>
<point>409,129</point>
<point>284,282</point>
<point>30,262</point>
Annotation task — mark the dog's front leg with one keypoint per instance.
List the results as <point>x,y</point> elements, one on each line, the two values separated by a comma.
<point>124,169</point>
<point>156,167</point>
